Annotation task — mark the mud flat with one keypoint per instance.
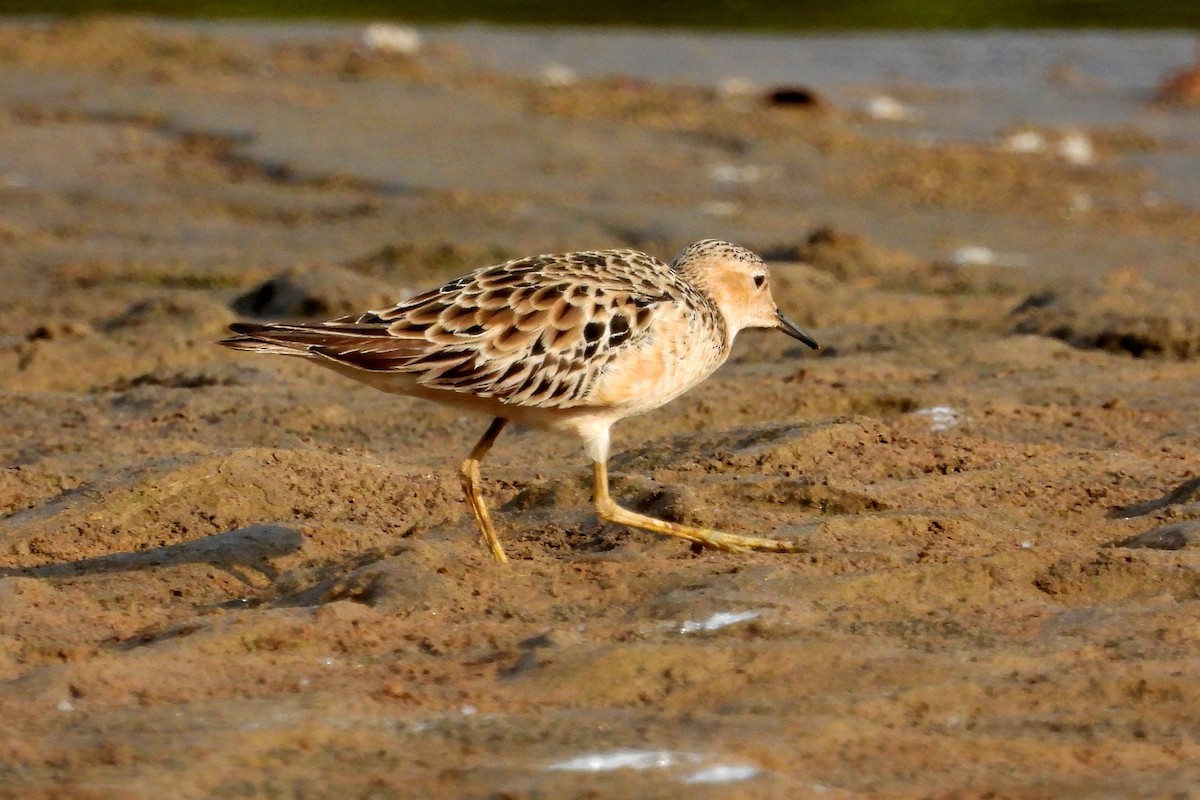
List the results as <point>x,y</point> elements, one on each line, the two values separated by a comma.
<point>232,576</point>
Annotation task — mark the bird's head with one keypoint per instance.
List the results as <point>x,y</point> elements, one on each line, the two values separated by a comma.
<point>739,283</point>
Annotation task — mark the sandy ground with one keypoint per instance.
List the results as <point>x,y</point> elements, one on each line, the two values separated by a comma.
<point>232,576</point>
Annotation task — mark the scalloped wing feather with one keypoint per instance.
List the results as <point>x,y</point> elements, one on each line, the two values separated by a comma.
<point>533,332</point>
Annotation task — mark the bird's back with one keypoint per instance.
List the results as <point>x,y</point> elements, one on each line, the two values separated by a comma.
<point>592,328</point>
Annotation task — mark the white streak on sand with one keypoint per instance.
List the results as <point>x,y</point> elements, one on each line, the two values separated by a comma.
<point>656,759</point>
<point>624,759</point>
<point>722,619</point>
<point>724,773</point>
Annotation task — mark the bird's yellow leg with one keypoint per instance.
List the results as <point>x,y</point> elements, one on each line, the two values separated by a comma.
<point>469,472</point>
<point>609,511</point>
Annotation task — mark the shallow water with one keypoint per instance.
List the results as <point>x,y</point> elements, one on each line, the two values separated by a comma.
<point>972,86</point>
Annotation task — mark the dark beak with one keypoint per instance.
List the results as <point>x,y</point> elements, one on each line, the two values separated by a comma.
<point>793,330</point>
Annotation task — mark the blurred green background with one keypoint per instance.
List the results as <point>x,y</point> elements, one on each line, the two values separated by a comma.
<point>733,14</point>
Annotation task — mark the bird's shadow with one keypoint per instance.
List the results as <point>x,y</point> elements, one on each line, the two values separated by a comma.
<point>250,548</point>
<point>1186,492</point>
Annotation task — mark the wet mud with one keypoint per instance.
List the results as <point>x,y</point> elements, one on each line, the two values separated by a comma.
<point>225,575</point>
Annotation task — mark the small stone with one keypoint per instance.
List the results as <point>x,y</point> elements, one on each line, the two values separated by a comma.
<point>559,76</point>
<point>888,109</point>
<point>794,97</point>
<point>1024,142</point>
<point>1076,148</point>
<point>384,37</point>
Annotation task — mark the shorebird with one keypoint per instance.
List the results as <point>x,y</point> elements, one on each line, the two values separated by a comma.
<point>571,342</point>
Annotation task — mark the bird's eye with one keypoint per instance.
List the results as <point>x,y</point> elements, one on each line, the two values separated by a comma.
<point>760,280</point>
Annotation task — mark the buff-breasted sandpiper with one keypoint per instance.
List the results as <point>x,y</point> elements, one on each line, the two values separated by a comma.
<point>571,342</point>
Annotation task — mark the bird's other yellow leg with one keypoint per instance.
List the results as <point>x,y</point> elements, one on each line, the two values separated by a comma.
<point>469,472</point>
<point>609,511</point>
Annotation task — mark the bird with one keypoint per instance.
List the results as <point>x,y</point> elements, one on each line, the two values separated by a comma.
<point>570,342</point>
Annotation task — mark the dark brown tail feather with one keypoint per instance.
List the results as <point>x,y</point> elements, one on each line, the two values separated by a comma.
<point>259,338</point>
<point>367,347</point>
